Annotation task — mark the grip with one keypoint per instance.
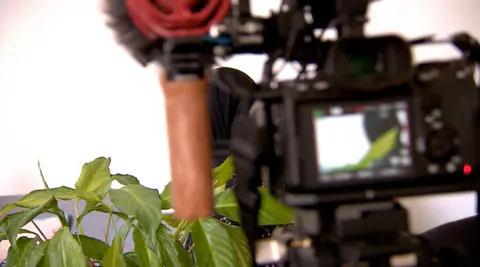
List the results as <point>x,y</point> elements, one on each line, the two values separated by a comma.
<point>190,144</point>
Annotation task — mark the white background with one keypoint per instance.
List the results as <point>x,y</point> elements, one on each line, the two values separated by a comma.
<point>68,94</point>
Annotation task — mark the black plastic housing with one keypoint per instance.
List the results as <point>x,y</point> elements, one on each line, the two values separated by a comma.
<point>450,88</point>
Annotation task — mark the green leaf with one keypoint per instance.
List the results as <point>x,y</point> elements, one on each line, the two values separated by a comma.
<point>12,257</point>
<point>125,229</point>
<point>92,247</point>
<point>141,202</point>
<point>226,205</point>
<point>223,173</point>
<point>212,244</point>
<point>153,250</point>
<point>16,254</point>
<point>25,248</point>
<point>132,259</point>
<point>64,251</point>
<point>170,220</point>
<point>37,254</point>
<point>166,244</point>
<point>166,197</point>
<point>7,208</point>
<point>91,207</point>
<point>3,230</point>
<point>219,190</point>
<point>184,257</point>
<point>240,244</point>
<point>114,255</point>
<point>95,177</point>
<point>44,261</point>
<point>271,211</point>
<point>141,249</point>
<point>155,261</point>
<point>106,209</point>
<point>17,220</point>
<point>125,179</point>
<point>39,197</point>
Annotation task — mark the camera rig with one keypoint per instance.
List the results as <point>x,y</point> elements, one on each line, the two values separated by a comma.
<point>347,215</point>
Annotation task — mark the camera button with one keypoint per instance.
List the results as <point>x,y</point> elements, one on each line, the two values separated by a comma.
<point>420,145</point>
<point>433,168</point>
<point>457,159</point>
<point>436,113</point>
<point>437,125</point>
<point>451,168</point>
<point>440,144</point>
<point>429,119</point>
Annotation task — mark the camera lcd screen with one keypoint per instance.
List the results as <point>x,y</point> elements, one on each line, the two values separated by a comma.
<point>362,142</point>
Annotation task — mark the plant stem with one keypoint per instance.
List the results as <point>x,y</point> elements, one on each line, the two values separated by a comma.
<point>41,176</point>
<point>79,242</point>
<point>61,217</point>
<point>107,232</point>
<point>186,232</point>
<point>179,229</point>
<point>191,248</point>
<point>114,224</point>
<point>218,190</point>
<point>33,233</point>
<point>77,215</point>
<point>39,230</point>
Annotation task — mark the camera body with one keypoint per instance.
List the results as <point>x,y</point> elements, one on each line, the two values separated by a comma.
<point>359,127</point>
<point>378,132</point>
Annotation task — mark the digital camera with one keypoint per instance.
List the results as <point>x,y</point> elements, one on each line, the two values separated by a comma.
<point>373,125</point>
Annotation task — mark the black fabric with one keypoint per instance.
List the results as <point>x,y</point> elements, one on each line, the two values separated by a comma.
<point>224,105</point>
<point>463,236</point>
<point>224,108</point>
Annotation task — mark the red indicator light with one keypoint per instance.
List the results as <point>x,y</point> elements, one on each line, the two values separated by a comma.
<point>467,169</point>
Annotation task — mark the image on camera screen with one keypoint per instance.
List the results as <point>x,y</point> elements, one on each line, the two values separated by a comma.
<point>362,142</point>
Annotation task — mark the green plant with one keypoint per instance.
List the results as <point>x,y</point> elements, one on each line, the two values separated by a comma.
<point>215,244</point>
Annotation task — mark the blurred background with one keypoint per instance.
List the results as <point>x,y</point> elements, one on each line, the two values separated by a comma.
<point>69,94</point>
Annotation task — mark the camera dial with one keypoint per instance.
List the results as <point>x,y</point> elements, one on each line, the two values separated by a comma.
<point>441,144</point>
